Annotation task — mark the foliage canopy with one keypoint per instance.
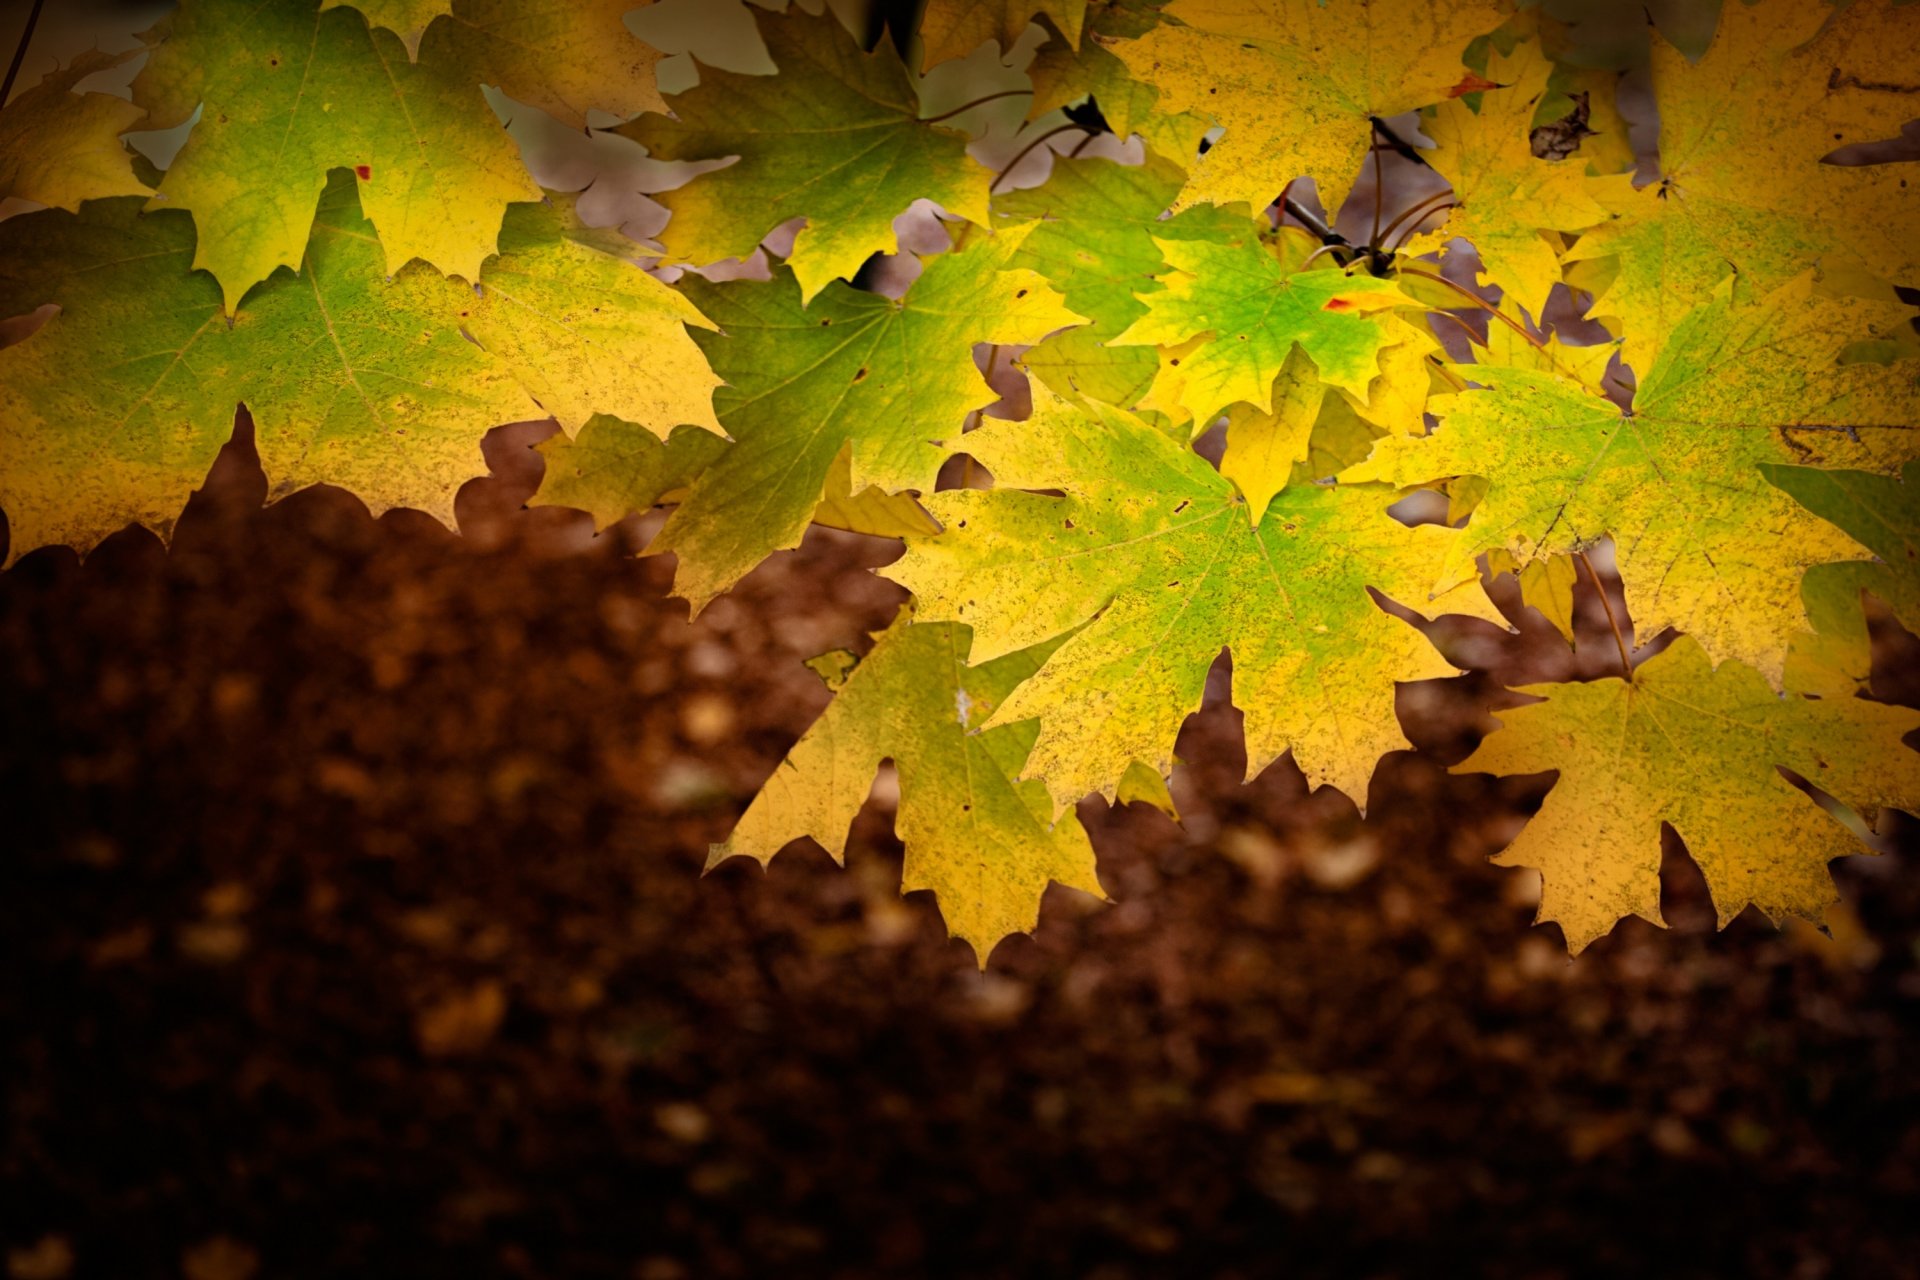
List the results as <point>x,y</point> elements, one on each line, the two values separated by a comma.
<point>1682,342</point>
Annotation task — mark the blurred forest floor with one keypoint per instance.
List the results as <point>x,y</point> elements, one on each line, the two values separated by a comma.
<point>352,925</point>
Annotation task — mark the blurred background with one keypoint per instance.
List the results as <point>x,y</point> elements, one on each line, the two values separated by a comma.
<point>351,924</point>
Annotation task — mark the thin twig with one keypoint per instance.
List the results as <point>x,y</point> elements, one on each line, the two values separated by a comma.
<point>1497,314</point>
<point>1379,200</point>
<point>1397,143</point>
<point>968,106</point>
<point>20,51</point>
<point>1419,211</point>
<point>1028,150</point>
<point>1619,641</point>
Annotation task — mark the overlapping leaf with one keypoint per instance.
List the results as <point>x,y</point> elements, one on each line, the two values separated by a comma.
<point>58,147</point>
<point>1504,196</point>
<point>566,57</point>
<point>1296,83</point>
<point>287,93</point>
<point>893,380</point>
<point>352,379</point>
<point>587,331</point>
<point>1699,749</point>
<point>1705,544</point>
<point>1251,304</point>
<point>835,138</point>
<point>985,844</point>
<point>1743,189</point>
<point>1170,571</point>
<point>955,28</point>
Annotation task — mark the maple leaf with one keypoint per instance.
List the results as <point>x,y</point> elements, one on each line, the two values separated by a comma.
<point>835,138</point>
<point>1095,244</point>
<point>352,378</point>
<point>58,147</point>
<point>955,28</point>
<point>1296,83</point>
<point>894,380</point>
<point>564,57</point>
<point>1252,304</point>
<point>286,93</point>
<point>585,329</point>
<point>986,845</point>
<point>1742,134</point>
<point>1705,544</point>
<point>612,469</point>
<point>407,19</point>
<point>1546,586</point>
<point>1504,196</point>
<point>1170,571</point>
<point>1064,74</point>
<point>1700,750</point>
<point>1881,513</point>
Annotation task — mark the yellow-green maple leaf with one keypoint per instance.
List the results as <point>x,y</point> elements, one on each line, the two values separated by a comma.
<point>1295,83</point>
<point>1155,547</point>
<point>611,469</point>
<point>565,57</point>
<point>955,28</point>
<point>58,147</point>
<point>1705,544</point>
<point>1742,189</point>
<point>287,93</point>
<point>1883,514</point>
<point>835,137</point>
<point>1064,74</point>
<point>895,379</point>
<point>407,19</point>
<point>352,379</point>
<point>986,845</point>
<point>586,330</point>
<point>1253,305</point>
<point>1505,197</point>
<point>1095,244</point>
<point>1700,750</point>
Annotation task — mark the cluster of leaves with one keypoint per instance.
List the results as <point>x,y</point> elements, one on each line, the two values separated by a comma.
<point>349,246</point>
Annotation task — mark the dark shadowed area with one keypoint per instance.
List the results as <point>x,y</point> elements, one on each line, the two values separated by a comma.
<point>352,925</point>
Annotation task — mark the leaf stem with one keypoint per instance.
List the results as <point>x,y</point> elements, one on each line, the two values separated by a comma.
<point>1418,211</point>
<point>1619,641</point>
<point>1499,315</point>
<point>1028,150</point>
<point>968,106</point>
<point>20,51</point>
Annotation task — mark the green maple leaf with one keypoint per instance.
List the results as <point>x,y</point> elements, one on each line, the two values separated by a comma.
<point>1155,547</point>
<point>986,845</point>
<point>287,93</point>
<point>564,57</point>
<point>1095,244</point>
<point>835,137</point>
<point>1742,133</point>
<point>58,148</point>
<point>1697,749</point>
<point>1252,305</point>
<point>1295,83</point>
<point>1882,514</point>
<point>585,329</point>
<point>893,381</point>
<point>1705,544</point>
<point>955,28</point>
<point>352,378</point>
